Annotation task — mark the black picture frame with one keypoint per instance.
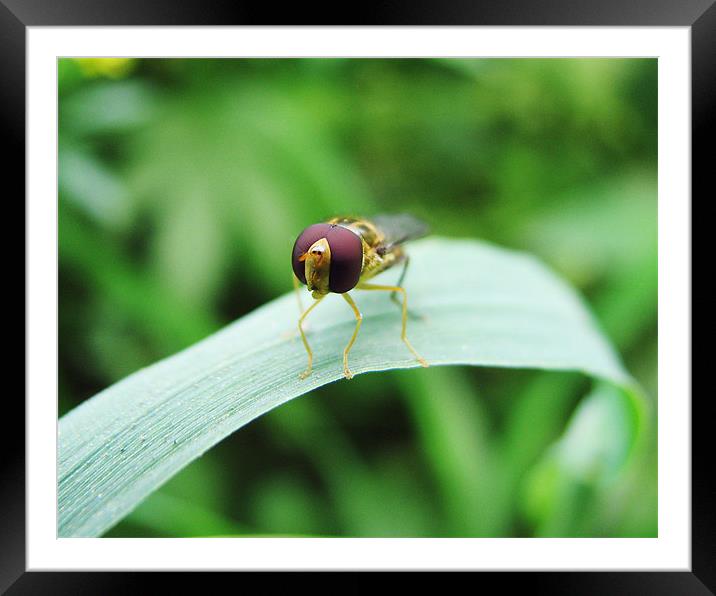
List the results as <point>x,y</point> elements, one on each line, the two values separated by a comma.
<point>17,15</point>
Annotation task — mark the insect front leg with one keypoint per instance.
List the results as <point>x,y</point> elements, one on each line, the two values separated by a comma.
<point>307,372</point>
<point>403,335</point>
<point>359,319</point>
<point>297,291</point>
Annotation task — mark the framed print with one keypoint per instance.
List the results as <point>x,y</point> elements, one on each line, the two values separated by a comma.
<point>484,360</point>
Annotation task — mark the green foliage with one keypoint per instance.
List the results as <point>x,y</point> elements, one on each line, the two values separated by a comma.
<point>183,184</point>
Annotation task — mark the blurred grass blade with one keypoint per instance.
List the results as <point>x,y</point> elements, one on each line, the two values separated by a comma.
<point>454,432</point>
<point>561,490</point>
<point>482,305</point>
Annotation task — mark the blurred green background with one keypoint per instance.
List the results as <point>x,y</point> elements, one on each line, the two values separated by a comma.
<point>172,173</point>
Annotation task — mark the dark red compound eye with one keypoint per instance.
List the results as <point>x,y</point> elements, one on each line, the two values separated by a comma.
<point>346,255</point>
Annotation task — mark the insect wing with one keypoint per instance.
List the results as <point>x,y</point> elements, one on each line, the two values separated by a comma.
<point>398,228</point>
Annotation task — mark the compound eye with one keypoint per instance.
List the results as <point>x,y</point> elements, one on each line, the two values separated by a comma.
<point>346,259</point>
<point>346,255</point>
<point>304,241</point>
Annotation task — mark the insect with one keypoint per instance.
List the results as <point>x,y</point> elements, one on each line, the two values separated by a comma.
<point>341,254</point>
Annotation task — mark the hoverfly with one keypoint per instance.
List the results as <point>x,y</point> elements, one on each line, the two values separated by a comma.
<point>341,254</point>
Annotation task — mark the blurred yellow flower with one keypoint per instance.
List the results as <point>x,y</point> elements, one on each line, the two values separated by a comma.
<point>114,68</point>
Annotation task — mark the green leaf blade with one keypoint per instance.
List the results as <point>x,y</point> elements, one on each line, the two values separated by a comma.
<point>482,306</point>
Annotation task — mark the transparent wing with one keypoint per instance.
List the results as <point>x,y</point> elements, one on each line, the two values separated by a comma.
<point>400,227</point>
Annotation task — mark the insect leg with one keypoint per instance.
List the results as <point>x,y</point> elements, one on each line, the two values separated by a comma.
<point>307,372</point>
<point>297,290</point>
<point>403,336</point>
<point>359,319</point>
<point>394,294</point>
